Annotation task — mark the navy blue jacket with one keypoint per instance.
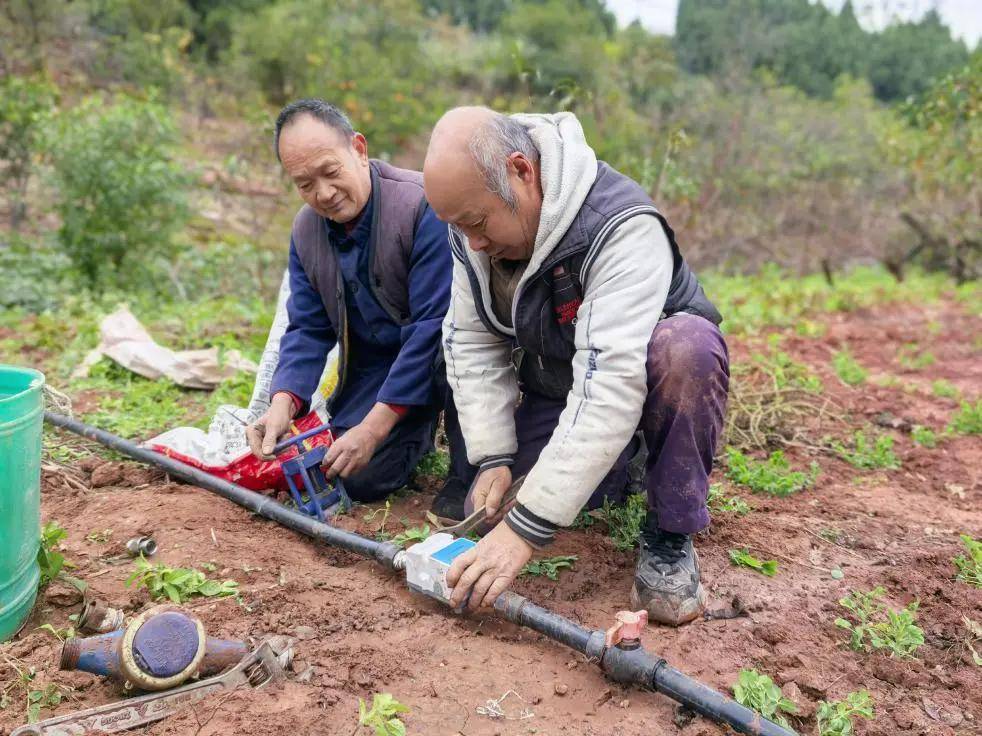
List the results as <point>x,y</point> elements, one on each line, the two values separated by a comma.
<point>387,362</point>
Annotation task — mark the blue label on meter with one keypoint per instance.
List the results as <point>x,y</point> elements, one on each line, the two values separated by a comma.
<point>450,552</point>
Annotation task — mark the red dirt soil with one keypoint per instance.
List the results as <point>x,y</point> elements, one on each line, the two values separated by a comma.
<point>361,631</point>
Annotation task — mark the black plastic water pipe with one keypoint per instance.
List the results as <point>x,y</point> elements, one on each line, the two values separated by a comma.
<point>628,665</point>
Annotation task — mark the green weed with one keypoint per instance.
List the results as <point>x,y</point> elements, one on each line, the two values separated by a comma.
<point>924,436</point>
<point>59,634</point>
<point>911,358</point>
<point>886,628</point>
<point>178,583</point>
<point>847,369</point>
<point>970,565</point>
<point>411,535</point>
<point>584,520</point>
<point>743,558</point>
<point>786,372</point>
<point>434,463</point>
<point>380,534</point>
<point>720,503</point>
<point>99,537</point>
<point>773,476</point>
<point>868,453</point>
<point>34,698</point>
<point>383,716</point>
<point>967,420</point>
<point>549,566</point>
<point>835,718</point>
<point>50,560</point>
<point>38,699</point>
<point>624,521</point>
<point>944,389</point>
<point>759,693</point>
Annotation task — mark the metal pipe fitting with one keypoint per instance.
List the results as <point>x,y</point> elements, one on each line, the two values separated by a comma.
<point>97,617</point>
<point>141,546</point>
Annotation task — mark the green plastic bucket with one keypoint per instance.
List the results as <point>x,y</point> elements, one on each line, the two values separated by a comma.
<point>21,417</point>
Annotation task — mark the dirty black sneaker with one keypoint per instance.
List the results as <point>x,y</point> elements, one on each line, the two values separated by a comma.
<point>666,580</point>
<point>449,502</point>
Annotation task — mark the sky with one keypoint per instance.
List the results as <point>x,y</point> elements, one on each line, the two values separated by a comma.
<point>964,17</point>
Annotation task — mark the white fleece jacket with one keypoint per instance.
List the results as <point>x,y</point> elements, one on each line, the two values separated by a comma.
<point>624,291</point>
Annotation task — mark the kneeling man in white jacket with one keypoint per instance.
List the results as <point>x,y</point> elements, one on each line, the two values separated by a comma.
<point>575,328</point>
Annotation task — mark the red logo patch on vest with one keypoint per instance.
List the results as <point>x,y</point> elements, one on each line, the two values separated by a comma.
<point>566,313</point>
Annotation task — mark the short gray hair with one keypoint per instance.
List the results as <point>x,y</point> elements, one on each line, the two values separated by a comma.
<point>492,144</point>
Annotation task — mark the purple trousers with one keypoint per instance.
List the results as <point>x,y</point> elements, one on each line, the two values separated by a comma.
<point>681,423</point>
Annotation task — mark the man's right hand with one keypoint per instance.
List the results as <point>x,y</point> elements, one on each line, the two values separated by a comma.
<point>267,430</point>
<point>489,488</point>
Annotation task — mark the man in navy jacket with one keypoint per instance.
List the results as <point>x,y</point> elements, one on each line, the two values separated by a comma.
<point>370,270</point>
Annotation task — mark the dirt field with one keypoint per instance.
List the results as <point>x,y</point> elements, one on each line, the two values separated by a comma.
<point>361,631</point>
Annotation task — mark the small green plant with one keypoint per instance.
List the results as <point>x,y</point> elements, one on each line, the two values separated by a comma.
<point>970,565</point>
<point>785,372</point>
<point>924,436</point>
<point>584,520</point>
<point>434,463</point>
<point>59,634</point>
<point>50,560</point>
<point>743,558</point>
<point>38,699</point>
<point>411,535</point>
<point>549,566</point>
<point>868,452</point>
<point>380,533</point>
<point>847,369</point>
<point>773,476</point>
<point>967,420</point>
<point>944,389</point>
<point>178,583</point>
<point>912,358</point>
<point>383,716</point>
<point>885,627</point>
<point>624,521</point>
<point>835,718</point>
<point>759,693</point>
<point>720,503</point>
<point>99,537</point>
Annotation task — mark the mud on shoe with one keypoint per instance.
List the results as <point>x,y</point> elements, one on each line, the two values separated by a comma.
<point>666,580</point>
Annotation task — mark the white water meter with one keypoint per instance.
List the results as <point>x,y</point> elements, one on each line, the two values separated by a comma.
<point>428,561</point>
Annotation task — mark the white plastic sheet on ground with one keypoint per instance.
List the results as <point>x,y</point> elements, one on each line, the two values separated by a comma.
<point>125,341</point>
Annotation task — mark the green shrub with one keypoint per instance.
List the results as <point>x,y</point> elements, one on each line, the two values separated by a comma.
<point>868,453</point>
<point>120,193</point>
<point>967,420</point>
<point>759,693</point>
<point>924,437</point>
<point>624,521</point>
<point>847,369</point>
<point>835,717</point>
<point>25,104</point>
<point>773,476</point>
<point>885,627</point>
<point>944,389</point>
<point>970,566</point>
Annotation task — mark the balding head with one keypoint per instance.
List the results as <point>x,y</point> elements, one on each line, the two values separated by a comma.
<point>481,162</point>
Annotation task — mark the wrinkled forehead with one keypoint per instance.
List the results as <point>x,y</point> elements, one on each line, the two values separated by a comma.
<point>306,139</point>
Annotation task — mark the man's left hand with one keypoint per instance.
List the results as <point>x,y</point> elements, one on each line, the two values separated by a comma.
<point>351,452</point>
<point>484,572</point>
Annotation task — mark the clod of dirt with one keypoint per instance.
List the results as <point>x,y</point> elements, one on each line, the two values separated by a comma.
<point>806,706</point>
<point>890,421</point>
<point>804,679</point>
<point>61,594</point>
<point>771,633</point>
<point>138,475</point>
<point>947,714</point>
<point>560,688</point>
<point>89,463</point>
<point>107,474</point>
<point>304,632</point>
<point>898,673</point>
<point>625,703</point>
<point>683,717</point>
